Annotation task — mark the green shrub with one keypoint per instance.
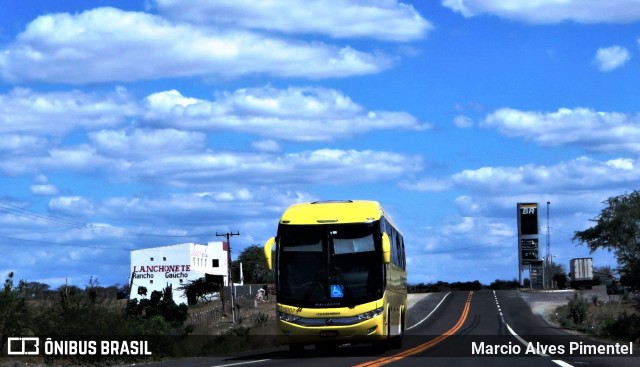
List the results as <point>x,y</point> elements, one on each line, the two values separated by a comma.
<point>626,327</point>
<point>261,318</point>
<point>578,309</point>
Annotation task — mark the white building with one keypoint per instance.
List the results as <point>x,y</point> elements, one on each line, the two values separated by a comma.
<point>158,267</point>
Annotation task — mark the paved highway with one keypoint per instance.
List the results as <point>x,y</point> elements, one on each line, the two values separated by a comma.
<point>455,329</point>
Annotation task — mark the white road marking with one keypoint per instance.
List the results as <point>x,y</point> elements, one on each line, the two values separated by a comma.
<point>524,342</point>
<point>561,363</point>
<point>241,363</point>
<point>430,313</point>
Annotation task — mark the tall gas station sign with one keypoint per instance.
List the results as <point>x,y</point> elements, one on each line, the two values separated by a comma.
<point>528,249</point>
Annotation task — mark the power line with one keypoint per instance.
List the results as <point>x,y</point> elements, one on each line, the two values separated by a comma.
<point>452,250</point>
<point>63,244</point>
<point>76,245</point>
<point>18,211</point>
<point>25,213</point>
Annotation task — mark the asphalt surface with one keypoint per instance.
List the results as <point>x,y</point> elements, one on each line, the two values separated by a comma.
<point>453,329</point>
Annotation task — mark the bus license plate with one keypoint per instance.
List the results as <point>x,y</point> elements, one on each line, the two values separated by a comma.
<point>329,333</point>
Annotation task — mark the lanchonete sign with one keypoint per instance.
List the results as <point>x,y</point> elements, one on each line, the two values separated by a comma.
<point>160,268</point>
<point>170,271</point>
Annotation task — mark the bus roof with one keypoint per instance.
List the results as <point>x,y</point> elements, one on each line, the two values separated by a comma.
<point>334,211</point>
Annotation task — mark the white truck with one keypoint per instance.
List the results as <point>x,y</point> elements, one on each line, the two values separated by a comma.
<point>581,273</point>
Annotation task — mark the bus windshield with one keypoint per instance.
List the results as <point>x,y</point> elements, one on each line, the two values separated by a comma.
<point>329,265</point>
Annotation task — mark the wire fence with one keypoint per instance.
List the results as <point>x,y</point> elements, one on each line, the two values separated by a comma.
<point>246,298</point>
<point>206,317</point>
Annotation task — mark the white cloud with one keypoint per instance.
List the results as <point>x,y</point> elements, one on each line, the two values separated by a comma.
<point>551,11</point>
<point>242,194</point>
<point>579,180</point>
<point>18,144</point>
<point>385,20</point>
<point>462,121</point>
<point>71,206</point>
<point>565,177</point>
<point>301,114</point>
<point>141,143</point>
<point>24,111</point>
<point>326,166</point>
<point>624,164</point>
<point>41,186</point>
<point>82,158</point>
<point>465,226</point>
<point>44,189</point>
<point>295,113</point>
<point>467,207</point>
<point>108,44</point>
<point>144,158</point>
<point>203,213</point>
<point>583,127</point>
<point>270,146</point>
<point>73,158</point>
<point>427,185</point>
<point>497,234</point>
<point>611,58</point>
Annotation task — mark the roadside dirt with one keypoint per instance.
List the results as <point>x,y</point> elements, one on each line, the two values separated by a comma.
<point>544,303</point>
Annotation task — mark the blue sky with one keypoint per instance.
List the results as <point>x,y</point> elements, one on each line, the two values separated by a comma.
<point>125,125</point>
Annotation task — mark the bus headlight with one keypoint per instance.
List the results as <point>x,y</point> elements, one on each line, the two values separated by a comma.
<point>287,317</point>
<point>371,314</point>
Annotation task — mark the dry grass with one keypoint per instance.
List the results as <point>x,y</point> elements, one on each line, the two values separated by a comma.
<point>594,316</point>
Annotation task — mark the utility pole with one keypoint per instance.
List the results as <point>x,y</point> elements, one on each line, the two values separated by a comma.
<point>233,292</point>
<point>549,258</point>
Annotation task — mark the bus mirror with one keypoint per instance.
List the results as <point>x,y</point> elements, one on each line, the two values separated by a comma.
<point>386,249</point>
<point>268,247</point>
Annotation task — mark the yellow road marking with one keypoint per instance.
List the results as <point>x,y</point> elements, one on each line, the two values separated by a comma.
<point>424,346</point>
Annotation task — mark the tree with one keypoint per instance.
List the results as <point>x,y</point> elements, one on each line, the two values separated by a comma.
<point>200,289</point>
<point>561,280</point>
<point>559,275</point>
<point>14,311</point>
<point>604,272</point>
<point>504,284</point>
<point>253,266</point>
<point>142,291</point>
<point>36,289</point>
<point>617,229</point>
<point>160,304</point>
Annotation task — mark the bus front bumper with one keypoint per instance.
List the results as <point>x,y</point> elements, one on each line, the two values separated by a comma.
<point>327,331</point>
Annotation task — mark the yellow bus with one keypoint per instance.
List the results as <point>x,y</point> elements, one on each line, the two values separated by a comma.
<point>340,275</point>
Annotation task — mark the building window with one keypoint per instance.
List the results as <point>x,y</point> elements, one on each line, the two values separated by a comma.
<point>215,263</point>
